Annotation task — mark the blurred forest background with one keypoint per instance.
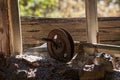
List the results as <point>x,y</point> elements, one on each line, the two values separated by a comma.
<point>66,8</point>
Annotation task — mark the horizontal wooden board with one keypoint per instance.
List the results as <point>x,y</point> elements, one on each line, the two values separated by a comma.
<point>109,29</point>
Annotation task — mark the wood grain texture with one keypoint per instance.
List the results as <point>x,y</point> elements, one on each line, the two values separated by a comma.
<point>110,49</point>
<point>109,29</point>
<point>14,27</point>
<point>9,27</point>
<point>4,34</point>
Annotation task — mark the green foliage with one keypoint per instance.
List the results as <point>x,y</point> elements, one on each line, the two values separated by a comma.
<point>36,7</point>
<point>66,8</point>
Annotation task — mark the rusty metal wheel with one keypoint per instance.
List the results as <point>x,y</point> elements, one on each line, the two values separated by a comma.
<point>63,47</point>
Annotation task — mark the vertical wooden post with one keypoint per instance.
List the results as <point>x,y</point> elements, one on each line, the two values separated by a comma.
<point>10,31</point>
<point>15,27</point>
<point>4,28</point>
<point>92,21</point>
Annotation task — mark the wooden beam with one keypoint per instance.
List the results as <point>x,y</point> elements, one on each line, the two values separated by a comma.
<point>4,28</point>
<point>10,30</point>
<point>91,49</point>
<point>15,26</point>
<point>92,22</point>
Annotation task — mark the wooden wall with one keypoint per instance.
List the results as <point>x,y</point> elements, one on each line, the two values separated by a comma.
<point>109,29</point>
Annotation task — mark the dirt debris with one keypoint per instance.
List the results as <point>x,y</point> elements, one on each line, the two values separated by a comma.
<point>44,69</point>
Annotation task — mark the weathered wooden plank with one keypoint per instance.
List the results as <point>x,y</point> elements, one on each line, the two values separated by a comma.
<point>109,24</point>
<point>15,29</point>
<point>110,31</point>
<point>76,27</point>
<point>112,42</point>
<point>48,26</point>
<point>34,41</point>
<point>110,37</point>
<point>110,49</point>
<point>9,20</point>
<point>4,38</point>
